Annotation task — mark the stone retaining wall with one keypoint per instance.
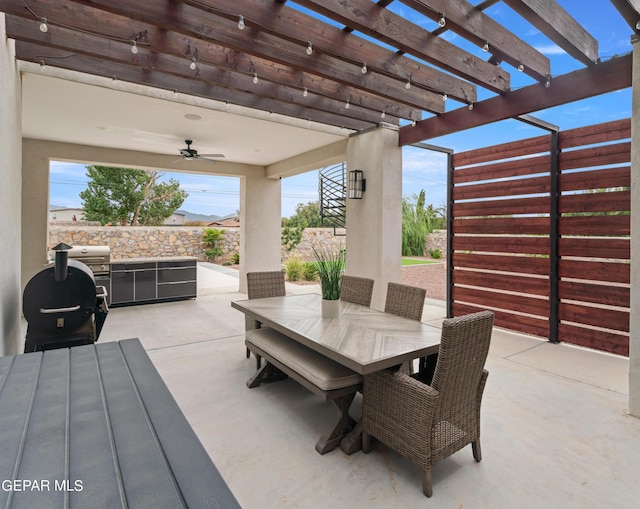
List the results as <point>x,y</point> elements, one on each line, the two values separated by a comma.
<point>157,241</point>
<point>436,240</point>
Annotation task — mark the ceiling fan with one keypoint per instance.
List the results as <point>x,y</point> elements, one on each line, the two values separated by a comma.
<point>189,154</point>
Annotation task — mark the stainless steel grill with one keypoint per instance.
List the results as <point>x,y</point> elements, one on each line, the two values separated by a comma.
<point>97,258</point>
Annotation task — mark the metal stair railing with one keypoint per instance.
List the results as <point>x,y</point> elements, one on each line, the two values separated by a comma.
<point>332,189</point>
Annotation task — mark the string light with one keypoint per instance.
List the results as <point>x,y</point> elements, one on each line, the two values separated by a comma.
<point>42,64</point>
<point>547,83</point>
<point>521,67</point>
<point>241,24</point>
<point>442,21</point>
<point>485,46</point>
<point>408,84</point>
<point>470,106</point>
<point>44,27</point>
<point>445,96</point>
<point>383,114</point>
<point>305,92</point>
<point>115,80</point>
<point>413,123</point>
<point>193,65</point>
<point>364,68</point>
<point>309,48</point>
<point>255,78</point>
<point>347,105</point>
<point>134,48</point>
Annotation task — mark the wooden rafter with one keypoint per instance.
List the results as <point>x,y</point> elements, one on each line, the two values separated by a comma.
<point>605,77</point>
<point>296,26</point>
<point>630,11</point>
<point>556,23</point>
<point>475,26</point>
<point>369,18</point>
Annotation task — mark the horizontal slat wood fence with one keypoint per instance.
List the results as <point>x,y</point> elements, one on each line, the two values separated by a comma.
<point>542,236</point>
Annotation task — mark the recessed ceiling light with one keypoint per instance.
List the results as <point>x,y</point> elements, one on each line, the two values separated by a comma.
<point>192,116</point>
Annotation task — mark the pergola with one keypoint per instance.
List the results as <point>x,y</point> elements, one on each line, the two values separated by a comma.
<point>306,83</point>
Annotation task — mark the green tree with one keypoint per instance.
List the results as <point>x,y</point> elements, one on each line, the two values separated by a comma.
<point>129,197</point>
<point>212,237</point>
<point>417,221</point>
<point>306,215</point>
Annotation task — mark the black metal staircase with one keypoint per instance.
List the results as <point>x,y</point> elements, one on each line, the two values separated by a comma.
<point>332,188</point>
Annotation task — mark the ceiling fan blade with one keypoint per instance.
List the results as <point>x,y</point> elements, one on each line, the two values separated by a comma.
<point>210,155</point>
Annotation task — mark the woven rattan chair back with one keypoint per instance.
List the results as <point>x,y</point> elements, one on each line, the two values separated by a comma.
<point>404,300</point>
<point>265,284</point>
<point>357,290</point>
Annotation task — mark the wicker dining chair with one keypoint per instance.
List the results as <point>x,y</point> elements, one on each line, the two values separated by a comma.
<point>428,423</point>
<point>404,300</point>
<point>357,290</point>
<point>264,284</point>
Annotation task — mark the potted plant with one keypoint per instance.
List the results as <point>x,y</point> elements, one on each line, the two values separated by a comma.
<point>329,266</point>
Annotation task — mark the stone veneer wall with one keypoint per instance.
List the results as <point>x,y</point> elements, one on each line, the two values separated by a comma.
<point>160,241</point>
<point>436,240</point>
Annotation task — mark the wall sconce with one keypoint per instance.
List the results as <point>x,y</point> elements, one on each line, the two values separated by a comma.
<point>357,184</point>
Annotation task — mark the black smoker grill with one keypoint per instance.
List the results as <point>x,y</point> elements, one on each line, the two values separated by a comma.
<point>62,305</point>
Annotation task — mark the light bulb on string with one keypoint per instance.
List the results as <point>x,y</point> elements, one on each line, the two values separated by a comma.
<point>383,114</point>
<point>134,48</point>
<point>241,24</point>
<point>193,66</point>
<point>408,84</point>
<point>413,123</point>
<point>445,96</point>
<point>44,27</point>
<point>521,67</point>
<point>347,105</point>
<point>547,83</point>
<point>42,64</point>
<point>305,92</point>
<point>470,106</point>
<point>485,46</point>
<point>364,69</point>
<point>309,48</point>
<point>255,78</point>
<point>442,21</point>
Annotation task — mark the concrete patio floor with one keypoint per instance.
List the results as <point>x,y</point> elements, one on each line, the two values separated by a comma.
<point>555,428</point>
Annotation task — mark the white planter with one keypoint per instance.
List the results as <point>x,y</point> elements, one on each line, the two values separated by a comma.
<point>330,308</point>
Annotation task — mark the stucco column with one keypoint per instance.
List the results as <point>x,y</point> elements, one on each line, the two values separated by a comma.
<point>35,209</point>
<point>374,223</point>
<point>260,226</point>
<point>634,319</point>
<point>11,171</point>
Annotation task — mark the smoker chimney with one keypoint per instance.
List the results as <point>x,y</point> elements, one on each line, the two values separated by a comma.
<point>60,266</point>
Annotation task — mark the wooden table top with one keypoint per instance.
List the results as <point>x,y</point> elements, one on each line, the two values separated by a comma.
<point>361,338</point>
<point>95,426</point>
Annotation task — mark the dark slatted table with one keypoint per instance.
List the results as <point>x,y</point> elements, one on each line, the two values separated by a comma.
<point>96,427</point>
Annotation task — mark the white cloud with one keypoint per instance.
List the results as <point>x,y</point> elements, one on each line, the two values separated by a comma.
<point>550,49</point>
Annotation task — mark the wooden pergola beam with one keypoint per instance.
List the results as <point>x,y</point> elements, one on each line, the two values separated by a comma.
<point>556,23</point>
<point>630,11</point>
<point>464,19</point>
<point>196,22</point>
<point>602,78</point>
<point>291,24</point>
<point>384,25</point>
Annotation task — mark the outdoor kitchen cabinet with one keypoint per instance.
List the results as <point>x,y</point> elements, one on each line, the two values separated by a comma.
<point>139,282</point>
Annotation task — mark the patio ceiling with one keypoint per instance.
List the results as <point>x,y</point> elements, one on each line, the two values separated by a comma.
<point>349,64</point>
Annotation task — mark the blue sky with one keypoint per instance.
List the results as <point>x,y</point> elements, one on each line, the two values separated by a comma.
<point>424,169</point>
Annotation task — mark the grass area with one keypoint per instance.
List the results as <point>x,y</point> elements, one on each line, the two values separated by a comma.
<point>413,261</point>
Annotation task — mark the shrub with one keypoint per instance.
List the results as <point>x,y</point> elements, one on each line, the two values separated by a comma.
<point>235,258</point>
<point>211,238</point>
<point>435,253</point>
<point>309,272</point>
<point>294,269</point>
<point>213,253</point>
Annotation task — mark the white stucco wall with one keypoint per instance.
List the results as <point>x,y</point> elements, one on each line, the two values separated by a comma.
<point>634,319</point>
<point>374,223</point>
<point>10,169</point>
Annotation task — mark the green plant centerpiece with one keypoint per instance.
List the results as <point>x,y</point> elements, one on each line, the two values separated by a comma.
<point>329,266</point>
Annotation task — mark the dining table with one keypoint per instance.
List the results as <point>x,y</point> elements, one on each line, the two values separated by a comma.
<point>359,337</point>
<point>95,426</point>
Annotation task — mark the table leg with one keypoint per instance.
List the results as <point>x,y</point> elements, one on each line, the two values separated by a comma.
<point>345,424</point>
<point>352,442</point>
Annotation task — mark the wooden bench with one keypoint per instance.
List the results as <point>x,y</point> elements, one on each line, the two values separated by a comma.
<point>330,380</point>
